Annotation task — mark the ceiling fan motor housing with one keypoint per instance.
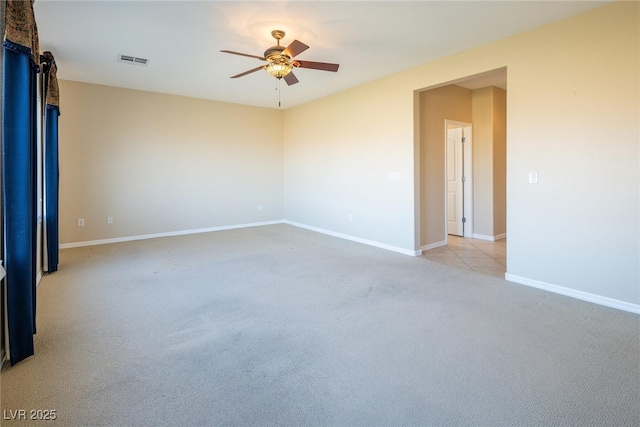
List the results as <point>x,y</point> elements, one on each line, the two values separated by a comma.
<point>275,53</point>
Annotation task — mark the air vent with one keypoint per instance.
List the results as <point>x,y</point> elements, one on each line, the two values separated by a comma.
<point>133,60</point>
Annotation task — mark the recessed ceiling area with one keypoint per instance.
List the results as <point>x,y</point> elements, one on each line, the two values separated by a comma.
<point>182,41</point>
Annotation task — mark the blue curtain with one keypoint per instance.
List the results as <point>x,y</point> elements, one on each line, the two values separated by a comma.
<point>51,186</point>
<point>19,193</point>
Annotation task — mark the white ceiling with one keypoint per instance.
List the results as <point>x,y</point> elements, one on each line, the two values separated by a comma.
<point>183,39</point>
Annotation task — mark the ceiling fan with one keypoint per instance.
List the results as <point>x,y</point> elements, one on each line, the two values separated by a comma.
<point>280,62</point>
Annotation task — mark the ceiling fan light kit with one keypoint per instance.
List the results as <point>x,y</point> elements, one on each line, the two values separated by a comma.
<point>279,69</point>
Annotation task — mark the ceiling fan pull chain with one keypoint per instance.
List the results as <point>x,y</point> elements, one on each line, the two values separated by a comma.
<point>278,89</point>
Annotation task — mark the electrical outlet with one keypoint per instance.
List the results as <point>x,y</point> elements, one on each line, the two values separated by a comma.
<point>350,218</point>
<point>110,220</point>
<point>259,208</point>
<point>80,222</point>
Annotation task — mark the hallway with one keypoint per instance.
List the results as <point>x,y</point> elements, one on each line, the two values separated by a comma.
<point>478,255</point>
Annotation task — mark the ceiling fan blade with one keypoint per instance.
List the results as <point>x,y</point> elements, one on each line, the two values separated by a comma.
<point>262,58</point>
<point>295,48</point>
<point>290,78</point>
<point>253,70</point>
<point>324,66</point>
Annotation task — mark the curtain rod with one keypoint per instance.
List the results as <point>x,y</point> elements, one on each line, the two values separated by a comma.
<point>47,57</point>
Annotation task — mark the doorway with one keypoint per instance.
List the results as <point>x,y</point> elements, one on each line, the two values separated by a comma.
<point>458,183</point>
<point>474,108</point>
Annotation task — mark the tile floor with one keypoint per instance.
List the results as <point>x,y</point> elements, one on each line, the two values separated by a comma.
<point>482,256</point>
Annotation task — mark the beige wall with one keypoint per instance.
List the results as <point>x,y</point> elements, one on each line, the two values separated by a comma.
<point>449,102</point>
<point>499,162</point>
<point>489,161</point>
<point>482,105</point>
<point>344,155</point>
<point>160,163</point>
<point>572,116</point>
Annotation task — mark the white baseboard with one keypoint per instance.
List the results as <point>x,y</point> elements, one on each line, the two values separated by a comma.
<point>231,227</point>
<point>434,245</point>
<point>489,238</point>
<point>585,296</point>
<point>356,239</point>
<point>167,234</point>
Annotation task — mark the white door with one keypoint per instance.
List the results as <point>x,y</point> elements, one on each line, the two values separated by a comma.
<point>455,182</point>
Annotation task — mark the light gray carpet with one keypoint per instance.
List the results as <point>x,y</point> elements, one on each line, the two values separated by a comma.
<point>278,325</point>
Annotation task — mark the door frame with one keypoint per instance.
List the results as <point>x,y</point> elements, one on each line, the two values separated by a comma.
<point>467,209</point>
